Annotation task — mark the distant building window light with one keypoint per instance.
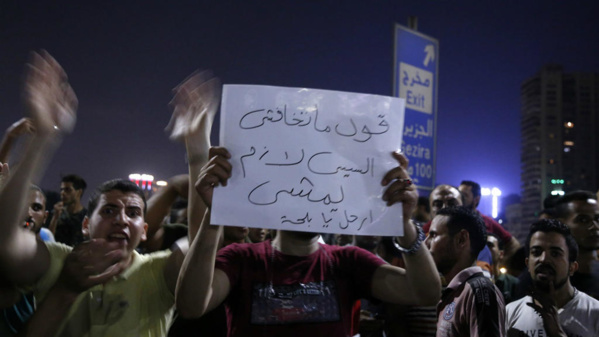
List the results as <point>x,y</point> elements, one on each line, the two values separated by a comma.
<point>569,143</point>
<point>569,125</point>
<point>566,149</point>
<point>551,161</point>
<point>555,192</point>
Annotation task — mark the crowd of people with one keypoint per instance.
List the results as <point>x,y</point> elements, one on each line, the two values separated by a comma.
<point>127,266</point>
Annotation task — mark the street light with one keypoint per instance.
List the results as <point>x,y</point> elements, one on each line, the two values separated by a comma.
<point>496,193</point>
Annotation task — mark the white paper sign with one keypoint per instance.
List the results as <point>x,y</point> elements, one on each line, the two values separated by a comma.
<point>308,160</point>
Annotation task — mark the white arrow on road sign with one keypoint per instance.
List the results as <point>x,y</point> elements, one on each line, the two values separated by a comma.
<point>430,54</point>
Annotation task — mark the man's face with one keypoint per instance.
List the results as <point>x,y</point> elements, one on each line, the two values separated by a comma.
<point>548,262</point>
<point>257,234</point>
<point>469,200</point>
<point>583,220</point>
<point>493,245</point>
<point>68,194</point>
<point>441,244</point>
<point>119,218</point>
<point>36,213</point>
<point>235,234</point>
<point>444,196</point>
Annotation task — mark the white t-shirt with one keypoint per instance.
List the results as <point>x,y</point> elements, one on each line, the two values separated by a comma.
<point>578,318</point>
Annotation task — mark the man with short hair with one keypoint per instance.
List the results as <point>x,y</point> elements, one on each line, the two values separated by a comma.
<point>444,196</point>
<point>471,193</point>
<point>441,197</point>
<point>471,305</point>
<point>507,283</point>
<point>69,212</point>
<point>101,287</point>
<point>580,212</point>
<point>556,308</point>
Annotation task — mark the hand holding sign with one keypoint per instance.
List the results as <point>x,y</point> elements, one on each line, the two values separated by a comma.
<point>309,160</point>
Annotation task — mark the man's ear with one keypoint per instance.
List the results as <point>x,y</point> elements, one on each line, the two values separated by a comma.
<point>463,238</point>
<point>476,201</point>
<point>573,268</point>
<point>79,194</point>
<point>144,235</point>
<point>85,227</point>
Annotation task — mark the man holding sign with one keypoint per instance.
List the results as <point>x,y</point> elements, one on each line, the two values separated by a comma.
<point>293,285</point>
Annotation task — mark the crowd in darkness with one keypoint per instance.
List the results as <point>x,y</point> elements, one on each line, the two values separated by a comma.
<point>122,265</point>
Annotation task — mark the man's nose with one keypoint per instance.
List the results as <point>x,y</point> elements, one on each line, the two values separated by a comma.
<point>542,256</point>
<point>120,218</point>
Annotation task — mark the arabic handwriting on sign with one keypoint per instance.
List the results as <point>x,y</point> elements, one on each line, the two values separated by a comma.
<point>257,118</point>
<point>299,221</point>
<point>350,132</point>
<point>351,218</point>
<point>285,163</point>
<point>326,129</point>
<point>242,158</point>
<point>304,183</point>
<point>320,159</point>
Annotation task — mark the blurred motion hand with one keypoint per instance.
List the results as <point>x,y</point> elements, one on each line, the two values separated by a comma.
<point>4,174</point>
<point>51,101</point>
<point>20,127</point>
<point>195,103</point>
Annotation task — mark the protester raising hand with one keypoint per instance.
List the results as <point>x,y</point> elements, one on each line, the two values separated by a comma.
<point>50,100</point>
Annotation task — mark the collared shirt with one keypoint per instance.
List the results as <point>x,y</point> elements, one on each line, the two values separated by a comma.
<point>471,305</point>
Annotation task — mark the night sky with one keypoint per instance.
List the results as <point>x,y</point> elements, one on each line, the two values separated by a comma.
<point>123,58</point>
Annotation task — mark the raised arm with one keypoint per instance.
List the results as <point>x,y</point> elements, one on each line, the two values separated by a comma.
<point>200,287</point>
<point>51,103</point>
<point>418,283</point>
<point>195,104</point>
<point>18,128</point>
<point>159,207</point>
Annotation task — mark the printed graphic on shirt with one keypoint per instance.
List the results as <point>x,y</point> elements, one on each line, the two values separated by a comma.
<point>298,303</point>
<point>449,310</point>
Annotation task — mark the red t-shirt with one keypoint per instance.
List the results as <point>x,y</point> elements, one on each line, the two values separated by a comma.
<point>286,295</point>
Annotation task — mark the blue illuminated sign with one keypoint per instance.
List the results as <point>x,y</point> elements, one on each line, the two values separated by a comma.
<point>415,78</point>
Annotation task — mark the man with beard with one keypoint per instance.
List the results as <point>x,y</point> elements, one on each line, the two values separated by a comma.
<point>292,285</point>
<point>555,307</point>
<point>580,212</point>
<point>471,305</point>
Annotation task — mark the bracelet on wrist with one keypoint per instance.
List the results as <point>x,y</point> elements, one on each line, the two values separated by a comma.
<point>415,246</point>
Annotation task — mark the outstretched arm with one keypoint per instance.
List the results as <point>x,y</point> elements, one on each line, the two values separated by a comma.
<point>90,263</point>
<point>18,128</point>
<point>419,283</point>
<point>200,287</point>
<point>195,104</point>
<point>51,103</point>
<point>159,207</point>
